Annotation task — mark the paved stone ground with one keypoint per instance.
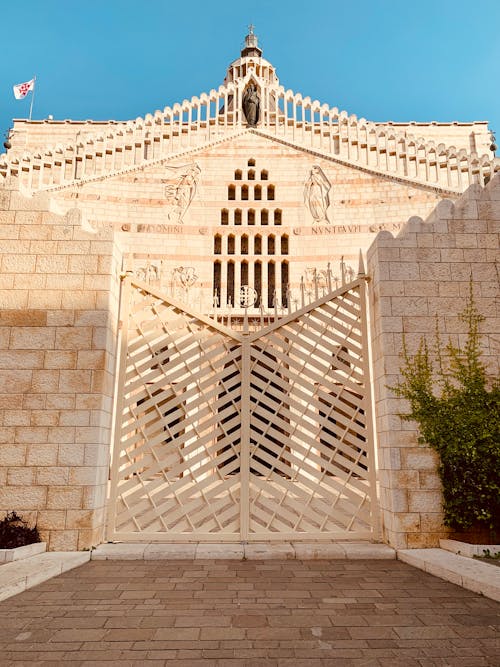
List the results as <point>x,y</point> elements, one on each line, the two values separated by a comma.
<point>249,613</point>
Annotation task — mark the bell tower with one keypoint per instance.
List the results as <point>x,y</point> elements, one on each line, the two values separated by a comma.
<point>251,64</point>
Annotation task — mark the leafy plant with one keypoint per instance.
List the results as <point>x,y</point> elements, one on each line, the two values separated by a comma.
<point>15,532</point>
<point>458,415</point>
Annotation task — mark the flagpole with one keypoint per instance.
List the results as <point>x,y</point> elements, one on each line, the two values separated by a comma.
<point>32,96</point>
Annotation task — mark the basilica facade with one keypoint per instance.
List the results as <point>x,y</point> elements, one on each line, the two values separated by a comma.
<point>239,229</point>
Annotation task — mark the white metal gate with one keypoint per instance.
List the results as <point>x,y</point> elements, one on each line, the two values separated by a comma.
<point>224,435</point>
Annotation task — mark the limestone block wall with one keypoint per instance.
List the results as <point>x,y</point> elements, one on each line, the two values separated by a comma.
<point>422,272</point>
<point>58,317</point>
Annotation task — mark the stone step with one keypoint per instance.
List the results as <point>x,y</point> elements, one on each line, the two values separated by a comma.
<point>252,551</point>
<point>17,576</point>
<point>461,570</point>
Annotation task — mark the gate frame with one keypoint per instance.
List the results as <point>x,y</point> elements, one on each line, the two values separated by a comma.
<point>244,339</point>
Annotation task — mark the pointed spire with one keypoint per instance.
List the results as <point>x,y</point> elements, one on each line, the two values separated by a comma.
<point>361,265</point>
<point>251,44</point>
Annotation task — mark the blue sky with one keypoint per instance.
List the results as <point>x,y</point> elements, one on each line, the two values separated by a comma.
<point>380,59</point>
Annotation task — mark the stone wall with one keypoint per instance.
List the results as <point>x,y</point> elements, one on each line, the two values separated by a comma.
<point>422,272</point>
<point>58,317</point>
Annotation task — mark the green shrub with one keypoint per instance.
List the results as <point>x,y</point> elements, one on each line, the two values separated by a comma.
<point>458,415</point>
<point>15,532</point>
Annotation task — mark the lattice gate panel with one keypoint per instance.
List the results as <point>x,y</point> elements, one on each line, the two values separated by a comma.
<point>310,435</point>
<point>228,436</point>
<point>176,470</point>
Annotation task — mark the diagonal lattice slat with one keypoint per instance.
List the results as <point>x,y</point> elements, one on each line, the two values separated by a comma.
<point>223,435</point>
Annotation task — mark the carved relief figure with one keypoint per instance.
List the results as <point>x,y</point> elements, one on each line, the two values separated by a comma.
<point>181,193</point>
<point>251,105</point>
<point>316,195</point>
<point>183,278</point>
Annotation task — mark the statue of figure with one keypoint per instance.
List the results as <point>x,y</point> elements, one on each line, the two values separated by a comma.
<point>316,194</point>
<point>251,105</point>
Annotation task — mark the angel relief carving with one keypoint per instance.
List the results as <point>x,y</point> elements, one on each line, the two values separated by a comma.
<point>179,193</point>
<point>317,195</point>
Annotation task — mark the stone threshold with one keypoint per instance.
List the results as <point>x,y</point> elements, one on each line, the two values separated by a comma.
<point>17,576</point>
<point>20,553</point>
<point>251,551</point>
<point>461,570</point>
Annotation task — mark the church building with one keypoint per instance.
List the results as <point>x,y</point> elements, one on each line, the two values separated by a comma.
<point>202,312</point>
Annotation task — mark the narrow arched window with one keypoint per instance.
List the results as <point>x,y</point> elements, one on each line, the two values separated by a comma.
<point>251,162</point>
<point>224,216</point>
<point>284,284</point>
<point>217,244</point>
<point>257,245</point>
<point>244,244</point>
<point>257,281</point>
<point>277,217</point>
<point>264,175</point>
<point>230,283</point>
<point>251,216</point>
<point>231,192</point>
<point>238,174</point>
<point>257,193</point>
<point>244,192</point>
<point>271,245</point>
<point>251,174</point>
<point>244,273</point>
<point>264,217</point>
<point>270,192</point>
<point>217,282</point>
<point>237,216</point>
<point>230,244</point>
<point>271,284</point>
<point>284,245</point>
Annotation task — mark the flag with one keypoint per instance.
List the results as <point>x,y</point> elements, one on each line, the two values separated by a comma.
<point>22,89</point>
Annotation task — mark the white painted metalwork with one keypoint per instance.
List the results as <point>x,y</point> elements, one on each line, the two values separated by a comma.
<point>227,435</point>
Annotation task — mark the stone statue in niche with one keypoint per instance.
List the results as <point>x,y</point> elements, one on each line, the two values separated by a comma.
<point>316,195</point>
<point>181,192</point>
<point>251,105</point>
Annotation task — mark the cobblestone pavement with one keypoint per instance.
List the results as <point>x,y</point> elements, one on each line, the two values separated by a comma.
<point>249,613</point>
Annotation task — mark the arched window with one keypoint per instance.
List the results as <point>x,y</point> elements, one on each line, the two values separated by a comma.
<point>217,244</point>
<point>251,174</point>
<point>251,162</point>
<point>217,282</point>
<point>257,245</point>
<point>230,244</point>
<point>237,175</point>
<point>264,216</point>
<point>284,245</point>
<point>237,216</point>
<point>244,192</point>
<point>230,282</point>
<point>251,216</point>
<point>231,192</point>
<point>277,216</point>
<point>270,192</point>
<point>224,216</point>
<point>257,193</point>
<point>244,273</point>
<point>284,284</point>
<point>257,281</point>
<point>264,175</point>
<point>271,245</point>
<point>244,244</point>
<point>271,284</point>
